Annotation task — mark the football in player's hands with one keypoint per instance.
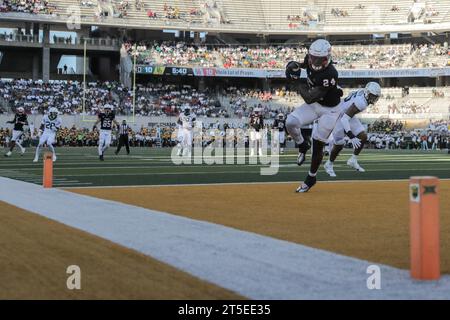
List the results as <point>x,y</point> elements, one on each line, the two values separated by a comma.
<point>293,70</point>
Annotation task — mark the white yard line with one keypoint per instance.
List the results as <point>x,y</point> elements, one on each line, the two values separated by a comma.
<point>252,265</point>
<point>236,183</point>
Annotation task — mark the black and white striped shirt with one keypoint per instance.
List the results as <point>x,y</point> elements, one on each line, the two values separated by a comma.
<point>123,129</point>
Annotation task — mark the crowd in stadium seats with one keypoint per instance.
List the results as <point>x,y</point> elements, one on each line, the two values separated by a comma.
<point>276,57</point>
<point>386,126</point>
<point>435,137</point>
<point>414,139</point>
<point>83,137</point>
<point>27,6</point>
<point>151,100</point>
<point>178,54</point>
<point>244,101</point>
<point>406,56</point>
<point>145,137</point>
<point>37,97</point>
<point>169,100</point>
<point>387,134</point>
<point>259,57</point>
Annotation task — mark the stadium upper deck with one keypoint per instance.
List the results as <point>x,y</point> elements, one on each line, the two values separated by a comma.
<point>250,16</point>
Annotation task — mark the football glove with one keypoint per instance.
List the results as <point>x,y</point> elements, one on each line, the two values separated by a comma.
<point>356,142</point>
<point>293,70</point>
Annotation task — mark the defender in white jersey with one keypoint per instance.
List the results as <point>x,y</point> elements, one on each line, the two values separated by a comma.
<point>50,125</point>
<point>356,102</point>
<point>187,120</point>
<point>179,136</point>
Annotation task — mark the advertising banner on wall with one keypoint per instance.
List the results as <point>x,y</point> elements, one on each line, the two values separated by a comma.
<point>280,73</point>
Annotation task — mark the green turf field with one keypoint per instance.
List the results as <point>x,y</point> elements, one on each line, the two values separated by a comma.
<point>80,167</point>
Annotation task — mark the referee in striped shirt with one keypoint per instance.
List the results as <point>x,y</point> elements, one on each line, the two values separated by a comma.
<point>124,129</point>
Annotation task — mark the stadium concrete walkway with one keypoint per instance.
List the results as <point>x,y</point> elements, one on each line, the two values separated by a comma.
<point>252,265</point>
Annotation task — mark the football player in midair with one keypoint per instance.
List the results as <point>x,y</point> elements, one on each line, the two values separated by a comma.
<point>20,120</point>
<point>356,102</point>
<point>322,98</point>
<point>106,120</point>
<point>280,125</point>
<point>50,125</point>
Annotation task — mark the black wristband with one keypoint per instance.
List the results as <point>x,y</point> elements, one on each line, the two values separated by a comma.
<point>350,134</point>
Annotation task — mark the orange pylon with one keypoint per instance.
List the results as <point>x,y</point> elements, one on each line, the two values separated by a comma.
<point>424,228</point>
<point>48,170</point>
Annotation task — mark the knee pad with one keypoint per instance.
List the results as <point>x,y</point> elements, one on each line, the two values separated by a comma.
<point>292,123</point>
<point>324,127</point>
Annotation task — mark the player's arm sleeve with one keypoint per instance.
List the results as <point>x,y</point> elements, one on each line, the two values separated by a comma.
<point>345,120</point>
<point>13,120</point>
<point>312,95</point>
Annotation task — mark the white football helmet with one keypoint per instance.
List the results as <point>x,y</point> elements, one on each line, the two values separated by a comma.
<point>20,110</point>
<point>108,107</point>
<point>319,54</point>
<point>372,92</point>
<point>53,112</point>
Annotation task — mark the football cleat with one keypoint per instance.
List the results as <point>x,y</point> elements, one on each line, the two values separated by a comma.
<point>352,162</point>
<point>8,154</point>
<point>101,158</point>
<point>22,152</point>
<point>307,185</point>
<point>329,168</point>
<point>54,157</point>
<point>35,159</point>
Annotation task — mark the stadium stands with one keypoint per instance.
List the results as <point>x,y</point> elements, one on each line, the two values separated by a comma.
<point>27,6</point>
<point>348,57</point>
<point>257,15</point>
<point>169,100</point>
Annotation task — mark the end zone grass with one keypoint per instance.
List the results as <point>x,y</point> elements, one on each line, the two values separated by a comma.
<point>367,220</point>
<point>37,251</point>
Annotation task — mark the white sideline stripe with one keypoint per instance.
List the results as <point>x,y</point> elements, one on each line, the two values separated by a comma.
<point>180,173</point>
<point>252,265</point>
<point>236,183</point>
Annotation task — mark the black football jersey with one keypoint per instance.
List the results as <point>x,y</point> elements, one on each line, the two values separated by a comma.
<point>279,124</point>
<point>19,121</point>
<point>327,78</point>
<point>256,122</point>
<point>106,120</point>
